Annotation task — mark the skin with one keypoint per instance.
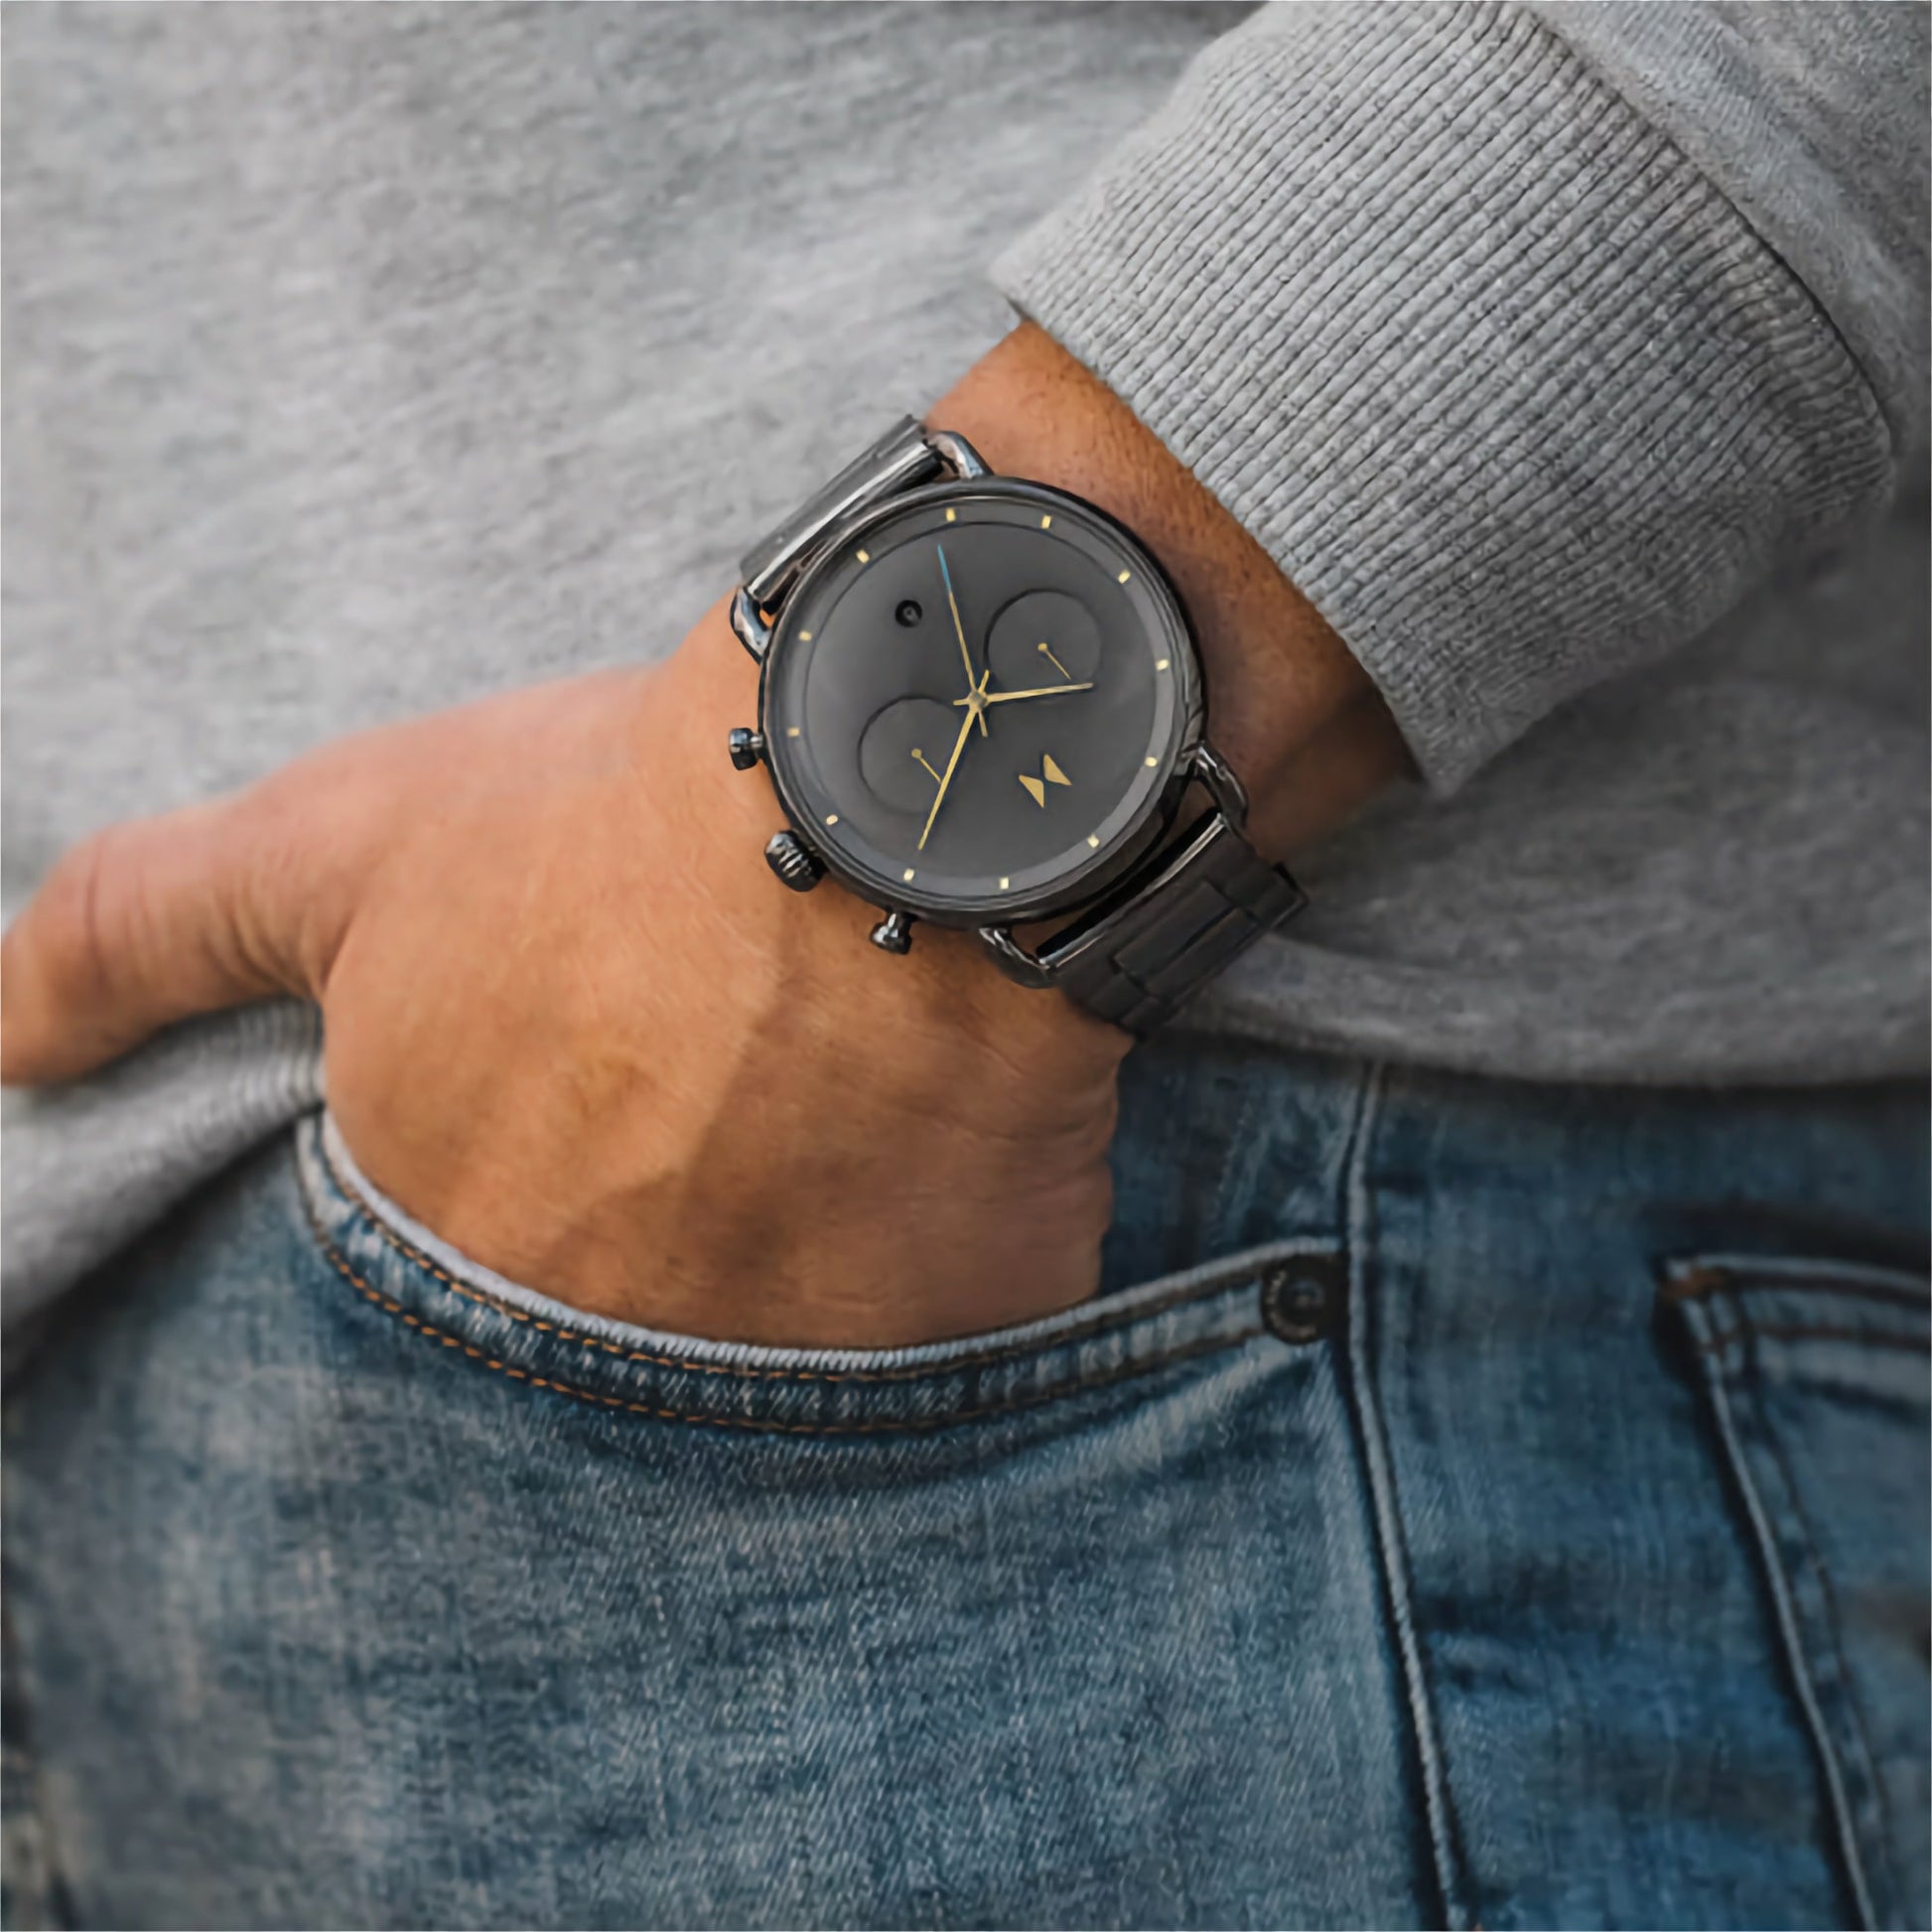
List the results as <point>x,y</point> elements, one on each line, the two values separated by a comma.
<point>572,1023</point>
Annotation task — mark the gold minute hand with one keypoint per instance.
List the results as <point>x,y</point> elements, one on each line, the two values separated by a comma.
<point>959,744</point>
<point>1045,691</point>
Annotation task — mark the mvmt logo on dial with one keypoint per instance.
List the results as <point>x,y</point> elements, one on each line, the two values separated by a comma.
<point>1050,774</point>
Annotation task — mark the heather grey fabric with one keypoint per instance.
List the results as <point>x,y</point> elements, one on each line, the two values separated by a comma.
<point>358,361</point>
<point>1505,383</point>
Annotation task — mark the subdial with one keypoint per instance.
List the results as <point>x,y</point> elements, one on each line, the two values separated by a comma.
<point>904,752</point>
<point>1041,640</point>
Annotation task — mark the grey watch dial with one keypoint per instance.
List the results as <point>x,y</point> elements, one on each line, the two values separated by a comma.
<point>980,702</point>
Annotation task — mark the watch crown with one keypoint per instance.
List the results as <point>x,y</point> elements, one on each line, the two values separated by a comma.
<point>747,747</point>
<point>797,866</point>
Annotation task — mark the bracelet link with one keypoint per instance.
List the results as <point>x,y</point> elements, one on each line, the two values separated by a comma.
<point>903,459</point>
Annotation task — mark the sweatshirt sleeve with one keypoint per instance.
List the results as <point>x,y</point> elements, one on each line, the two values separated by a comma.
<point>1517,380</point>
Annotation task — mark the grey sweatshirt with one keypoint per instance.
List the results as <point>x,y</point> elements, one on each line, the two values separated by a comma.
<point>1571,359</point>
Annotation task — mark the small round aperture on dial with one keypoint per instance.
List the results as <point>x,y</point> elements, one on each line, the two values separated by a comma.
<point>909,612</point>
<point>1042,639</point>
<point>904,752</point>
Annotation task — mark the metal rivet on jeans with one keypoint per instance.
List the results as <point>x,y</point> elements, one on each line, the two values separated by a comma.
<point>1300,1298</point>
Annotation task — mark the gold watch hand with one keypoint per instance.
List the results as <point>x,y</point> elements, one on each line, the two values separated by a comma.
<point>959,631</point>
<point>922,756</point>
<point>959,744</point>
<point>1046,691</point>
<point>1047,653</point>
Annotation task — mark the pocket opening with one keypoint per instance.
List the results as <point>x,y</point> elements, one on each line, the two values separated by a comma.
<point>411,1275</point>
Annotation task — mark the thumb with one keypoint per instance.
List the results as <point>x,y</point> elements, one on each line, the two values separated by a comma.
<point>150,921</point>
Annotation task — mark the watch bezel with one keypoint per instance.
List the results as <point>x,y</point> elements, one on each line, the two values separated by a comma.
<point>1151,822</point>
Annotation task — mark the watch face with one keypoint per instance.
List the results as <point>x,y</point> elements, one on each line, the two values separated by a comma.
<point>980,703</point>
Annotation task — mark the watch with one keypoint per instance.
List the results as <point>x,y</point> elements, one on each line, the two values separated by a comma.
<point>980,705</point>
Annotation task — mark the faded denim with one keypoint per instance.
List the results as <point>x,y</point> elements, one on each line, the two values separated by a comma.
<point>1468,1503</point>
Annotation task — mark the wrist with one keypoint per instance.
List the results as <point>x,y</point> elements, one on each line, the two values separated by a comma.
<point>1288,707</point>
<point>816,944</point>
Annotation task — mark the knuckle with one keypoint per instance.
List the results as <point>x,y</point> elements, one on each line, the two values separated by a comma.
<point>62,968</point>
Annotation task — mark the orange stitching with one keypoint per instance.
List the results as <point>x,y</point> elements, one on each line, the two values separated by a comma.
<point>1081,1332</point>
<point>1803,1278</point>
<point>1722,1338</point>
<point>906,1426</point>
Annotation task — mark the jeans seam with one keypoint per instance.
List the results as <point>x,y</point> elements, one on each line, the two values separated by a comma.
<point>1720,1340</point>
<point>1872,1804</point>
<point>916,1425</point>
<point>1386,1515</point>
<point>1096,1325</point>
<point>1784,1611</point>
<point>55,1894</point>
<point>1781,1274</point>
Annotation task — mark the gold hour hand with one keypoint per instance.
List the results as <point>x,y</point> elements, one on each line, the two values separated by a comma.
<point>959,744</point>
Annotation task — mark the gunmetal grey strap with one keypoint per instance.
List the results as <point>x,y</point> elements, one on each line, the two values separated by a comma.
<point>1137,958</point>
<point>903,459</point>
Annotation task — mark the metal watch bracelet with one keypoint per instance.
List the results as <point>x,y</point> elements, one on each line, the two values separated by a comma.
<point>1193,907</point>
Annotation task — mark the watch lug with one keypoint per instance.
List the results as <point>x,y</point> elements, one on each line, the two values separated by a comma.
<point>958,455</point>
<point>1013,959</point>
<point>1209,769</point>
<point>753,630</point>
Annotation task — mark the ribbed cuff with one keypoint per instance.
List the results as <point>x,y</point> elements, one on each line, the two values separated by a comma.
<point>1503,385</point>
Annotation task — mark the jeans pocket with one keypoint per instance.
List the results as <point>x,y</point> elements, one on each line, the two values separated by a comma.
<point>1816,1376</point>
<point>1282,1293</point>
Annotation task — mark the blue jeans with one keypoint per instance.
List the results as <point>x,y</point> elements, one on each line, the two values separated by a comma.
<point>1466,1504</point>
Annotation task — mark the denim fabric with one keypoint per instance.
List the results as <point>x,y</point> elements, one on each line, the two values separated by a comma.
<point>1466,1504</point>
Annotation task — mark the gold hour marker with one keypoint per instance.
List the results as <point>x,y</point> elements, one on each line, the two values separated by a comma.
<point>1125,575</point>
<point>804,636</point>
<point>1153,761</point>
<point>1093,838</point>
<point>1046,522</point>
<point>1162,665</point>
<point>949,516</point>
<point>864,557</point>
<point>791,731</point>
<point>832,818</point>
<point>1003,883</point>
<point>909,874</point>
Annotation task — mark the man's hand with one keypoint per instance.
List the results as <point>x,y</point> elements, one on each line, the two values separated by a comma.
<point>575,1026</point>
<point>572,1023</point>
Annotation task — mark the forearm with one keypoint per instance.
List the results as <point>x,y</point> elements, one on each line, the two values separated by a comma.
<point>1482,358</point>
<point>1288,705</point>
